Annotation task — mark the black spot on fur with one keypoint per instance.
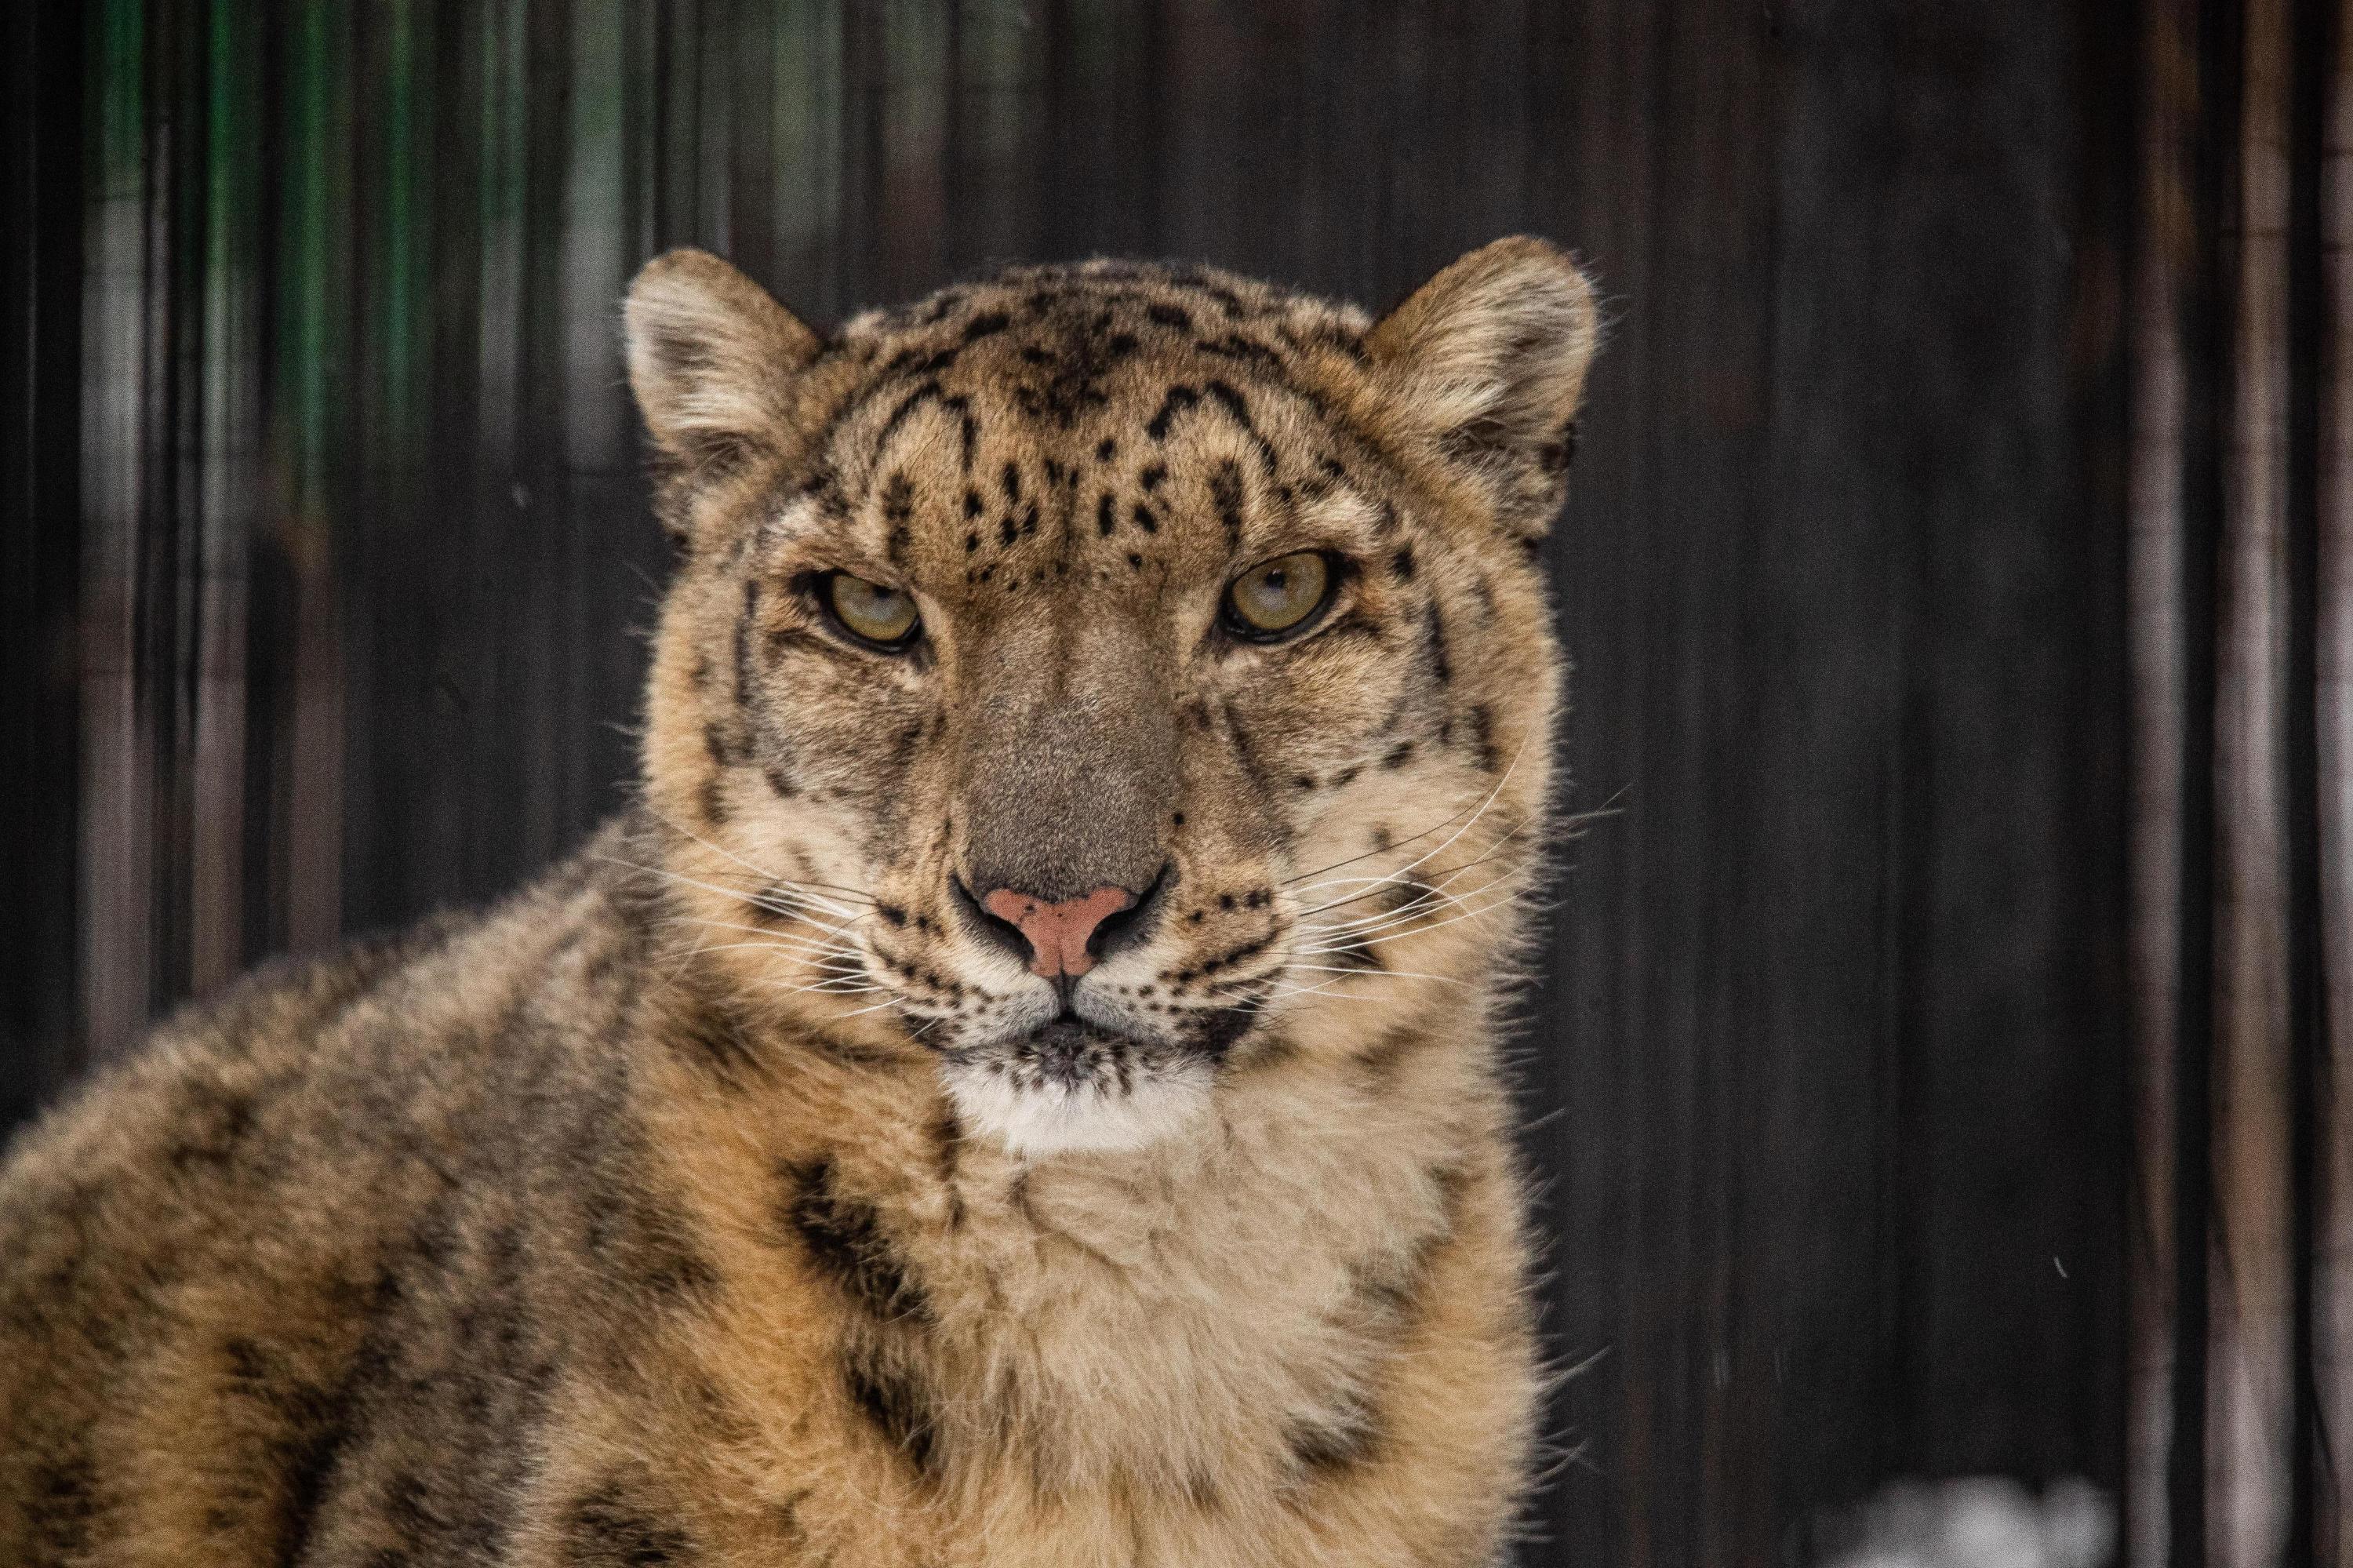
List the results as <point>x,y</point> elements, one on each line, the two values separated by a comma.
<point>318,1426</point>
<point>1144,519</point>
<point>1246,751</point>
<point>1106,517</point>
<point>972,504</point>
<point>844,1238</point>
<point>1152,477</point>
<point>1106,450</point>
<point>743,623</point>
<point>947,1141</point>
<point>216,1122</point>
<point>929,392</point>
<point>1441,669</point>
<point>1237,407</point>
<point>1556,457</point>
<point>1335,1439</point>
<point>987,324</point>
<point>1214,1033</point>
<point>1012,483</point>
<point>711,1040</point>
<point>1177,400</point>
<point>1008,531</point>
<point>1226,494</point>
<point>1239,953</point>
<point>666,1263</point>
<point>607,1528</point>
<point>1168,315</point>
<point>1399,754</point>
<point>1482,738</point>
<point>1401,564</point>
<point>1234,345</point>
<point>61,1508</point>
<point>895,1404</point>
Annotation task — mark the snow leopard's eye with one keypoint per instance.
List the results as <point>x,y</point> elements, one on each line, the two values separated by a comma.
<point>1280,597</point>
<point>882,617</point>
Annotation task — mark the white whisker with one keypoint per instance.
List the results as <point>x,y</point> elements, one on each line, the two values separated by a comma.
<point>1376,974</point>
<point>1488,908</point>
<point>1432,898</point>
<point>679,827</point>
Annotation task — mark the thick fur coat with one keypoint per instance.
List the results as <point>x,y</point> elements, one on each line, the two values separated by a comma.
<point>746,1191</point>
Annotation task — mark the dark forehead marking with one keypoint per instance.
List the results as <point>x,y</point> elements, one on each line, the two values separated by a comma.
<point>1223,396</point>
<point>1238,406</point>
<point>1234,345</point>
<point>931,391</point>
<point>1226,494</point>
<point>1083,310</point>
<point>1177,400</point>
<point>742,641</point>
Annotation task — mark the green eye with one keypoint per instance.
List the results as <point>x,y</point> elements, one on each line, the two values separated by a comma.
<point>882,616</point>
<point>1278,596</point>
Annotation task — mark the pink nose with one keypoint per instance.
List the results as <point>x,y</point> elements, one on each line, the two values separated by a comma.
<point>1058,933</point>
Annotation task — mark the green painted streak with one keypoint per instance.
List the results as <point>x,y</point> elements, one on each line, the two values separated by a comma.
<point>231,149</point>
<point>316,275</point>
<point>403,263</point>
<point>122,45</point>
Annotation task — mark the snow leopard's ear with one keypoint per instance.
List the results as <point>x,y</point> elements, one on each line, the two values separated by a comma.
<point>712,361</point>
<point>1483,368</point>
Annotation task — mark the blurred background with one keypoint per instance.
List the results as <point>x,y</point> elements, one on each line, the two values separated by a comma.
<point>1931,1074</point>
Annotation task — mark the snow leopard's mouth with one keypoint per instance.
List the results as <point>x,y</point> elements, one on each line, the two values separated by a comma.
<point>1071,1032</point>
<point>1069,1084</point>
<point>1071,1052</point>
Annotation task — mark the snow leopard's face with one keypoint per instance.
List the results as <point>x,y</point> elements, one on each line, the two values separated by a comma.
<point>1094,673</point>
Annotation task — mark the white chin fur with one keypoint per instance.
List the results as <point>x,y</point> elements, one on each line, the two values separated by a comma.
<point>1054,1120</point>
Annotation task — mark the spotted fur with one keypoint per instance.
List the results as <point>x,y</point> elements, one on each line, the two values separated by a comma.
<point>735,1195</point>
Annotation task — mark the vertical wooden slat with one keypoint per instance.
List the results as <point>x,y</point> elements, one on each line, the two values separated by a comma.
<point>2167,249</point>
<point>117,825</point>
<point>808,147</point>
<point>230,465</point>
<point>600,247</point>
<point>2250,1379</point>
<point>44,55</point>
<point>2332,1263</point>
<point>315,318</point>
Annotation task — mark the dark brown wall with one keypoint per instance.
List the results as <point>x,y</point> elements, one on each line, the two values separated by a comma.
<point>324,536</point>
